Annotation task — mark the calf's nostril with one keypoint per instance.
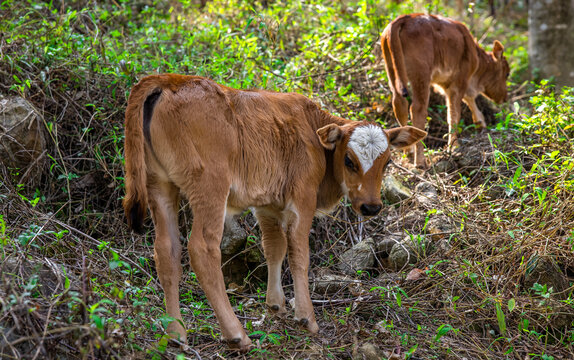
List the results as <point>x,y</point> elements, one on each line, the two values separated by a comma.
<point>370,209</point>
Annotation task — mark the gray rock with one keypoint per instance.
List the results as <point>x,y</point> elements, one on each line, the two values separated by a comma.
<point>394,191</point>
<point>426,194</point>
<point>22,137</point>
<point>385,244</point>
<point>368,351</point>
<point>442,166</point>
<point>329,284</point>
<point>234,237</point>
<point>408,251</point>
<point>359,257</point>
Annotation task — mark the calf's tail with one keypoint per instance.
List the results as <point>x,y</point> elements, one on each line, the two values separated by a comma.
<point>398,59</point>
<point>139,111</point>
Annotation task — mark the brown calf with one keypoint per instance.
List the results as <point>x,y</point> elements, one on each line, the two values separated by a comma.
<point>427,49</point>
<point>225,150</point>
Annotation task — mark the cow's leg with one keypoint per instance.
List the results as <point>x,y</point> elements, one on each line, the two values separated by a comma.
<point>163,201</point>
<point>399,101</point>
<point>454,104</point>
<point>477,116</point>
<point>420,84</point>
<point>208,199</point>
<point>400,108</point>
<point>299,225</point>
<point>274,248</point>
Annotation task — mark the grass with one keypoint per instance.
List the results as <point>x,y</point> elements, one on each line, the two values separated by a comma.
<point>76,283</point>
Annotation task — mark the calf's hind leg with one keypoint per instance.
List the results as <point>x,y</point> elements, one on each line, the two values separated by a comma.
<point>205,254</point>
<point>163,202</point>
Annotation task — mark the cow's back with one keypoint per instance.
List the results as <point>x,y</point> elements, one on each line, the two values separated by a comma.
<point>441,46</point>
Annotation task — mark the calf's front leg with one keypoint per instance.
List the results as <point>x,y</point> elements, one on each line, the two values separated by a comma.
<point>298,247</point>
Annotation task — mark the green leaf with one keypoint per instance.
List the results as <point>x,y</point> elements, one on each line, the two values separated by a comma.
<point>511,304</point>
<point>441,331</point>
<point>501,319</point>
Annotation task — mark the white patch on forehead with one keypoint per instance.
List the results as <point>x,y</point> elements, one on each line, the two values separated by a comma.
<point>368,142</point>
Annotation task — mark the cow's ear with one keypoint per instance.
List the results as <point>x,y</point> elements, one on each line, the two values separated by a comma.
<point>405,136</point>
<point>329,135</point>
<point>497,50</point>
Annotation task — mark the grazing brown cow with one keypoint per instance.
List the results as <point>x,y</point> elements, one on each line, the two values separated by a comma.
<point>227,149</point>
<point>427,49</point>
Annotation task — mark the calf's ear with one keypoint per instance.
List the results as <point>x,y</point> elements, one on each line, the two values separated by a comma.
<point>330,135</point>
<point>404,136</point>
<point>497,49</point>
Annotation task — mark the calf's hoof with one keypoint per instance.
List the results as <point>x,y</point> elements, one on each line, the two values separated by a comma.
<point>177,332</point>
<point>277,309</point>
<point>242,344</point>
<point>309,324</point>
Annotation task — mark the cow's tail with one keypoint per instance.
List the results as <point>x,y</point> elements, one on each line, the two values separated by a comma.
<point>138,114</point>
<point>398,59</point>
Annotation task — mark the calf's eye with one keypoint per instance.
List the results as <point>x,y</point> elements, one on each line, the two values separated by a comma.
<point>349,163</point>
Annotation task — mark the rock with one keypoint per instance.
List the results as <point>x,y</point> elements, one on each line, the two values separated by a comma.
<point>22,137</point>
<point>384,247</point>
<point>407,251</point>
<point>426,194</point>
<point>359,257</point>
<point>442,166</point>
<point>238,258</point>
<point>329,284</point>
<point>368,351</point>
<point>386,244</point>
<point>394,191</point>
<point>234,237</point>
<point>401,255</point>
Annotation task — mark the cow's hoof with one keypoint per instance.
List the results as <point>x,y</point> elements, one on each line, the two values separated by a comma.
<point>277,309</point>
<point>310,325</point>
<point>242,345</point>
<point>176,332</point>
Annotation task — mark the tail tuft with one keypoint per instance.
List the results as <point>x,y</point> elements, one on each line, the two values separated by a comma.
<point>135,218</point>
<point>405,92</point>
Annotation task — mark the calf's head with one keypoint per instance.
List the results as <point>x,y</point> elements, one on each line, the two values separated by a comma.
<point>361,152</point>
<point>495,80</point>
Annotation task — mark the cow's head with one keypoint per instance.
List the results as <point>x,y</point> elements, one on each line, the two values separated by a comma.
<point>495,80</point>
<point>361,153</point>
